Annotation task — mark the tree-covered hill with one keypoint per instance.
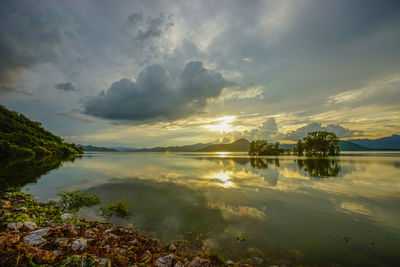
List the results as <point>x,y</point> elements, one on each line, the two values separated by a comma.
<point>22,138</point>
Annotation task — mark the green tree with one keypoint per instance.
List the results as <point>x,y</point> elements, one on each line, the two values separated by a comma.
<point>320,143</point>
<point>263,148</point>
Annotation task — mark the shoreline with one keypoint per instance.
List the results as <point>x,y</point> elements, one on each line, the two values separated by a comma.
<point>34,233</point>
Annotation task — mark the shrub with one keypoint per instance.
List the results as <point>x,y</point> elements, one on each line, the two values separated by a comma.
<point>74,200</point>
<point>119,209</point>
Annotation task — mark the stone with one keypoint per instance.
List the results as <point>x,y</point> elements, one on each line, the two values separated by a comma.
<point>172,247</point>
<point>66,216</point>
<point>29,226</point>
<point>196,262</point>
<point>79,244</point>
<point>257,260</point>
<point>41,254</point>
<point>230,262</point>
<point>35,238</point>
<point>165,261</point>
<point>14,226</point>
<point>101,262</point>
<point>59,240</point>
<point>56,253</point>
<point>133,242</point>
<point>69,227</point>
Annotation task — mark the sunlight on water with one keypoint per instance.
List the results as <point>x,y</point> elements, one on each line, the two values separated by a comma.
<point>270,204</point>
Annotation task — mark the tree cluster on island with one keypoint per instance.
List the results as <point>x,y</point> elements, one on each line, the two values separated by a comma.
<point>319,143</point>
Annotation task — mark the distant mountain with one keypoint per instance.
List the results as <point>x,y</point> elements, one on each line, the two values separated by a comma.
<point>240,145</point>
<point>390,142</point>
<point>188,148</point>
<point>97,148</point>
<point>349,146</point>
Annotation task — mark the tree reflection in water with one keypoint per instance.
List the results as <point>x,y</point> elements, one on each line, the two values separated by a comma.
<point>320,168</point>
<point>263,163</point>
<point>17,173</point>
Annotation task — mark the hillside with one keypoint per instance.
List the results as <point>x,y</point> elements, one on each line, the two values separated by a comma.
<point>350,146</point>
<point>240,145</point>
<point>390,142</point>
<point>97,148</point>
<point>188,148</point>
<point>22,138</point>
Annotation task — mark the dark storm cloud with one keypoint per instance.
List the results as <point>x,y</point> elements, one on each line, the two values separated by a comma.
<point>67,86</point>
<point>301,132</point>
<point>29,35</point>
<point>145,34</point>
<point>154,98</point>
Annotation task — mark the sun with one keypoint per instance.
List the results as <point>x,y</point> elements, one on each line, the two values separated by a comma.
<point>222,124</point>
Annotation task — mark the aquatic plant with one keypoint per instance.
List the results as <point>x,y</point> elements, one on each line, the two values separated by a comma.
<point>119,209</point>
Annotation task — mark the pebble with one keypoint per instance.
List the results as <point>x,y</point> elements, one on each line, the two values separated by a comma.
<point>196,262</point>
<point>35,238</point>
<point>29,226</point>
<point>101,262</point>
<point>172,247</point>
<point>15,226</point>
<point>79,244</point>
<point>165,261</point>
<point>66,216</point>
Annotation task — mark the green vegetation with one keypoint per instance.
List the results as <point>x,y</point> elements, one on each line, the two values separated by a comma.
<point>319,143</point>
<point>74,200</point>
<point>22,138</point>
<point>119,209</point>
<point>263,148</point>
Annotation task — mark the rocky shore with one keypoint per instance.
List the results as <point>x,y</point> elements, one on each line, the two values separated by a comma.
<point>36,234</point>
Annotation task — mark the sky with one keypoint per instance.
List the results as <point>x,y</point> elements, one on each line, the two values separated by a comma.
<point>152,73</point>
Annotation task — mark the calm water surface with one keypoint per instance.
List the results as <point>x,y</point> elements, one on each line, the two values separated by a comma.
<point>343,210</point>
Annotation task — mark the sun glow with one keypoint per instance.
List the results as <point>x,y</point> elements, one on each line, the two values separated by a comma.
<point>222,124</point>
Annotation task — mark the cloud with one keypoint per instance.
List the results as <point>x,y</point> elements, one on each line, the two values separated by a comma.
<point>145,34</point>
<point>301,132</point>
<point>67,86</point>
<point>154,98</point>
<point>29,35</point>
<point>239,94</point>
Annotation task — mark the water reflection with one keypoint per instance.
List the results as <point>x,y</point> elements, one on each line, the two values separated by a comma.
<point>279,204</point>
<point>320,168</point>
<point>17,173</point>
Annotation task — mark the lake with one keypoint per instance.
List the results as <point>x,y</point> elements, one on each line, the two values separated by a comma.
<point>343,210</point>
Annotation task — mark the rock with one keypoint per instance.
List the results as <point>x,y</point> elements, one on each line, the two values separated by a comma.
<point>41,254</point>
<point>69,227</point>
<point>199,262</point>
<point>133,242</point>
<point>56,253</point>
<point>35,238</point>
<point>29,226</point>
<point>107,248</point>
<point>66,216</point>
<point>257,260</point>
<point>58,240</point>
<point>230,262</point>
<point>165,261</point>
<point>8,240</point>
<point>101,262</point>
<point>172,247</point>
<point>79,244</point>
<point>15,226</point>
<point>23,209</point>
